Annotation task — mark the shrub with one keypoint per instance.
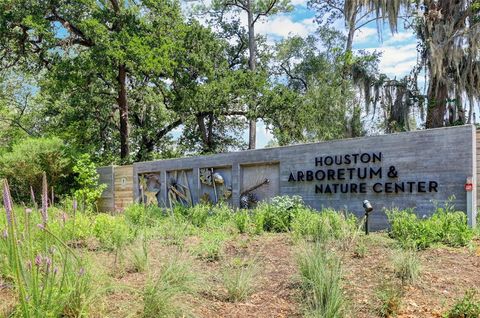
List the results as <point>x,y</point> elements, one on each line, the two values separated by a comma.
<point>466,307</point>
<point>444,226</point>
<point>112,231</point>
<point>139,215</point>
<point>87,180</point>
<point>278,215</point>
<point>324,226</point>
<point>25,164</point>
<point>239,279</point>
<point>321,276</point>
<point>390,297</point>
<point>407,266</point>
<point>242,221</point>
<point>161,295</point>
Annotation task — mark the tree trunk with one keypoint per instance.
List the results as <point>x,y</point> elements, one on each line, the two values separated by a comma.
<point>123,108</point>
<point>252,136</point>
<point>437,102</point>
<point>351,33</point>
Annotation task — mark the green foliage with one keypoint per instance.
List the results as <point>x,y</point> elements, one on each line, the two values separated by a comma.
<point>466,307</point>
<point>361,249</point>
<point>239,279</point>
<point>321,276</point>
<point>390,297</point>
<point>407,266</point>
<point>141,215</point>
<point>112,231</point>
<point>277,215</point>
<point>327,225</point>
<point>25,164</point>
<point>211,245</point>
<point>444,226</point>
<point>87,179</point>
<point>50,279</point>
<point>161,294</point>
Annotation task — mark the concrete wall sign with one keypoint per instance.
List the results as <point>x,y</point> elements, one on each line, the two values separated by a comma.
<point>404,170</point>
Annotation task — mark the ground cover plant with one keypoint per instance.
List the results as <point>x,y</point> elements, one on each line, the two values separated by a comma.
<point>278,259</point>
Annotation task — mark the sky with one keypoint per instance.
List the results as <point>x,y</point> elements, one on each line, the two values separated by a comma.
<point>398,49</point>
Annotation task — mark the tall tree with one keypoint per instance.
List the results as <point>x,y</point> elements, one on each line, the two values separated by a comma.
<point>112,37</point>
<point>312,101</point>
<point>255,10</point>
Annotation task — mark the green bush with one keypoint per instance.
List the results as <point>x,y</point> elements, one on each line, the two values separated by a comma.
<point>467,307</point>
<point>444,226</point>
<point>87,180</point>
<point>277,215</point>
<point>324,226</point>
<point>25,164</point>
<point>112,231</point>
<point>140,215</point>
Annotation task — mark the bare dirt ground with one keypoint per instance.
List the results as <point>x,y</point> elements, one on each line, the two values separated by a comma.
<point>446,274</point>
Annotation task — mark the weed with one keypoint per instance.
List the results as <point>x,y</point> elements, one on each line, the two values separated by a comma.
<point>361,249</point>
<point>466,307</point>
<point>407,266</point>
<point>390,297</point>
<point>321,275</point>
<point>239,279</point>
<point>211,245</point>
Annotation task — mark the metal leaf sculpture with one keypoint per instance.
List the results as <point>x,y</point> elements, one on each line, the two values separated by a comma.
<point>179,193</point>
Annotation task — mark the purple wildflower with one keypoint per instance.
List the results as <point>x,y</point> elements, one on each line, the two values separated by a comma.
<point>32,195</point>
<point>74,205</point>
<point>81,272</point>
<point>48,262</point>
<point>38,260</point>
<point>5,233</point>
<point>55,270</point>
<point>7,201</point>
<point>44,199</point>
<point>41,226</point>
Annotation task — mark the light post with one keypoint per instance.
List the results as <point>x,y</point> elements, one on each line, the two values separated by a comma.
<point>368,209</point>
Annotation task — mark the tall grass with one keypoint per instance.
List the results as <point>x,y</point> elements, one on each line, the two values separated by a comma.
<point>407,266</point>
<point>321,275</point>
<point>161,296</point>
<point>50,279</point>
<point>239,279</point>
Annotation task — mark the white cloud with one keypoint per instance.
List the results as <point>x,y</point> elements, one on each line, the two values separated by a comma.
<point>399,37</point>
<point>302,3</point>
<point>398,60</point>
<point>364,35</point>
<point>283,26</point>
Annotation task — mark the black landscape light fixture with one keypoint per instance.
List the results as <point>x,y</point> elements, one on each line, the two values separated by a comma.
<point>368,209</point>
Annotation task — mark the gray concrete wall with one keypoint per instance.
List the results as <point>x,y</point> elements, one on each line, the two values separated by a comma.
<point>436,159</point>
